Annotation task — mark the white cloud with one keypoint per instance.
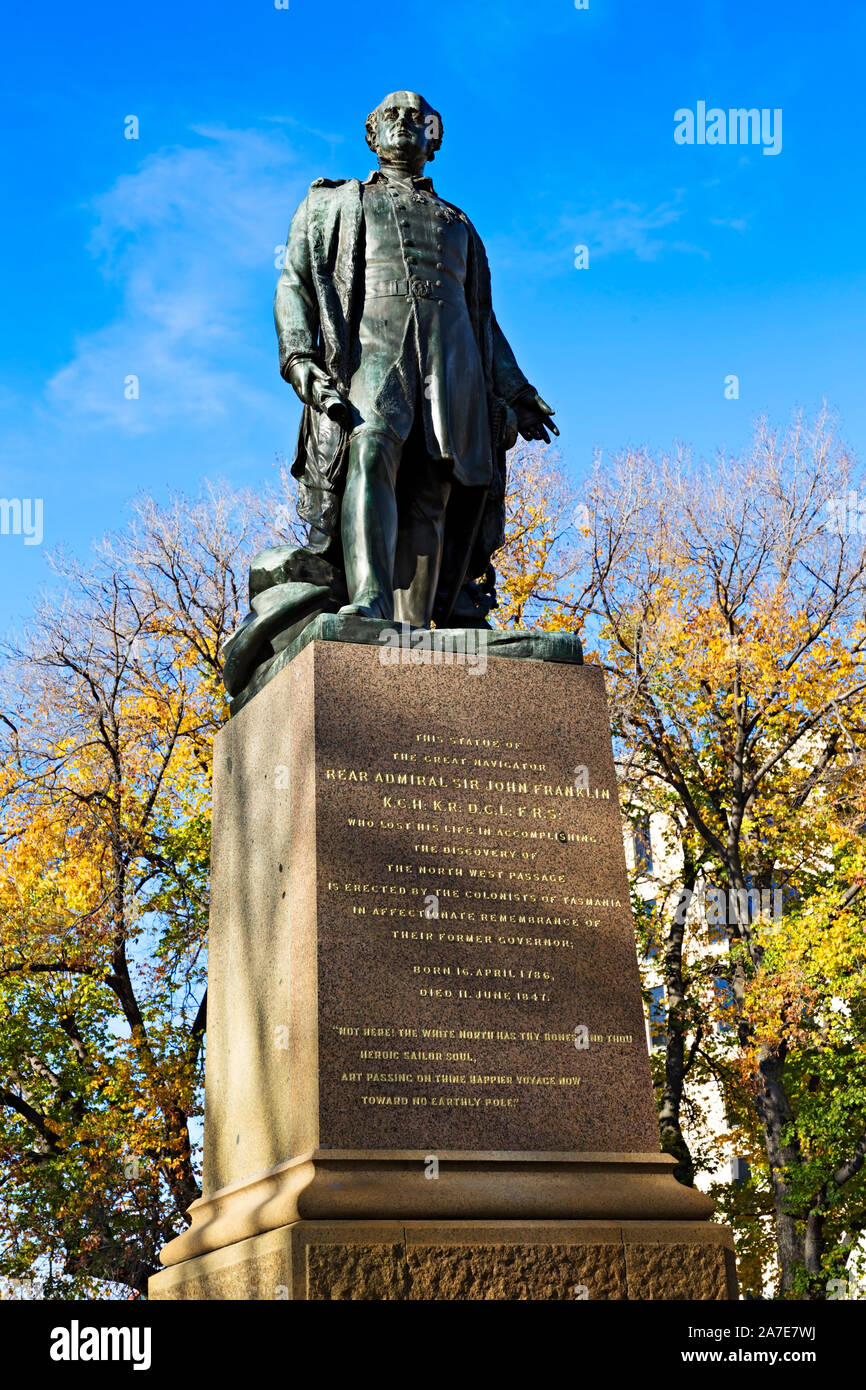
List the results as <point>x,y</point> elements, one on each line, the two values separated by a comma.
<point>189,239</point>
<point>643,231</point>
<point>632,229</point>
<point>736,224</point>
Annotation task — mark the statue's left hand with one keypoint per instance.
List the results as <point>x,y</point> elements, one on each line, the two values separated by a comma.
<point>533,417</point>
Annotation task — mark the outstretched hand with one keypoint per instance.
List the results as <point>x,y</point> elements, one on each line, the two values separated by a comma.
<point>534,417</point>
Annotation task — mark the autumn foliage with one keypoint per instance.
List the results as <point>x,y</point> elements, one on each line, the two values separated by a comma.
<point>727,611</point>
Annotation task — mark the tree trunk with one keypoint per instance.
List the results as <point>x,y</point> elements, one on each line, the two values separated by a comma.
<point>671,1136</point>
<point>775,1114</point>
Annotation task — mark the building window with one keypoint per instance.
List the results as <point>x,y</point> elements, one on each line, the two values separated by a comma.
<point>718,933</point>
<point>649,924</point>
<point>642,843</point>
<point>657,1017</point>
<point>725,1002</point>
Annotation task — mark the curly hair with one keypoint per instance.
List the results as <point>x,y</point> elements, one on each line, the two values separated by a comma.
<point>433,144</point>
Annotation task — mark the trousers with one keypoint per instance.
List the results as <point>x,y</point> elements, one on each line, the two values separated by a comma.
<point>393,528</point>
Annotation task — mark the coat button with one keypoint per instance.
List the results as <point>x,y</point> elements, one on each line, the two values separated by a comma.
<point>439,265</point>
<point>441,303</point>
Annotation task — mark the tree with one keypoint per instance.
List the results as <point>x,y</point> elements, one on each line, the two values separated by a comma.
<point>732,636</point>
<point>110,704</point>
<point>537,566</point>
<point>726,606</point>
<point>728,616</point>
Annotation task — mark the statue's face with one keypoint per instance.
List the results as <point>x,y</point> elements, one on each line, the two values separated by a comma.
<point>403,126</point>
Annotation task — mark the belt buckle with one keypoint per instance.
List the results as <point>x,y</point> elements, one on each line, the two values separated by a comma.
<point>420,288</point>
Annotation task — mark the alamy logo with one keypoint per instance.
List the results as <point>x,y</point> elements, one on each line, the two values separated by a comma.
<point>847,514</point>
<point>737,126</point>
<point>22,516</point>
<point>76,1343</point>
<point>738,905</point>
<point>851,1287</point>
<point>417,646</point>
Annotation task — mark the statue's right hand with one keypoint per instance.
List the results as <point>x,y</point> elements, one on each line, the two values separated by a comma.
<point>305,375</point>
<point>318,390</point>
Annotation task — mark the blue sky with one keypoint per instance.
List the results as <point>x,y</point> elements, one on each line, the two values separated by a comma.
<point>156,257</point>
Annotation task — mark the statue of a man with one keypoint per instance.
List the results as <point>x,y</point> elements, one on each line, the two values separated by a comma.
<point>411,398</point>
<point>383,312</point>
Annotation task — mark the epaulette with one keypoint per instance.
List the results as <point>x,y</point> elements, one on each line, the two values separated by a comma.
<point>455,211</point>
<point>327,183</point>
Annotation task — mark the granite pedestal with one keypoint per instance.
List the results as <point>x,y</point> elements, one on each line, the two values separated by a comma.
<point>427,1071</point>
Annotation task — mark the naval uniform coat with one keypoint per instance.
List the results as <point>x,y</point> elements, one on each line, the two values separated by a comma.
<point>441,333</point>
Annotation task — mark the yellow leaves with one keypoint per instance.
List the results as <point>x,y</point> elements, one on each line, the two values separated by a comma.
<point>814,972</point>
<point>542,525</point>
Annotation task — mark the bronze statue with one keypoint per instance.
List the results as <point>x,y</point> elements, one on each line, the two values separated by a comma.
<point>411,398</point>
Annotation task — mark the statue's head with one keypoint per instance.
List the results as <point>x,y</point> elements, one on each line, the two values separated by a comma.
<point>404,128</point>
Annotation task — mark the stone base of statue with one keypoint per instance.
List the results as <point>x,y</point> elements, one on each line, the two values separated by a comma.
<point>464,1260</point>
<point>427,1071</point>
